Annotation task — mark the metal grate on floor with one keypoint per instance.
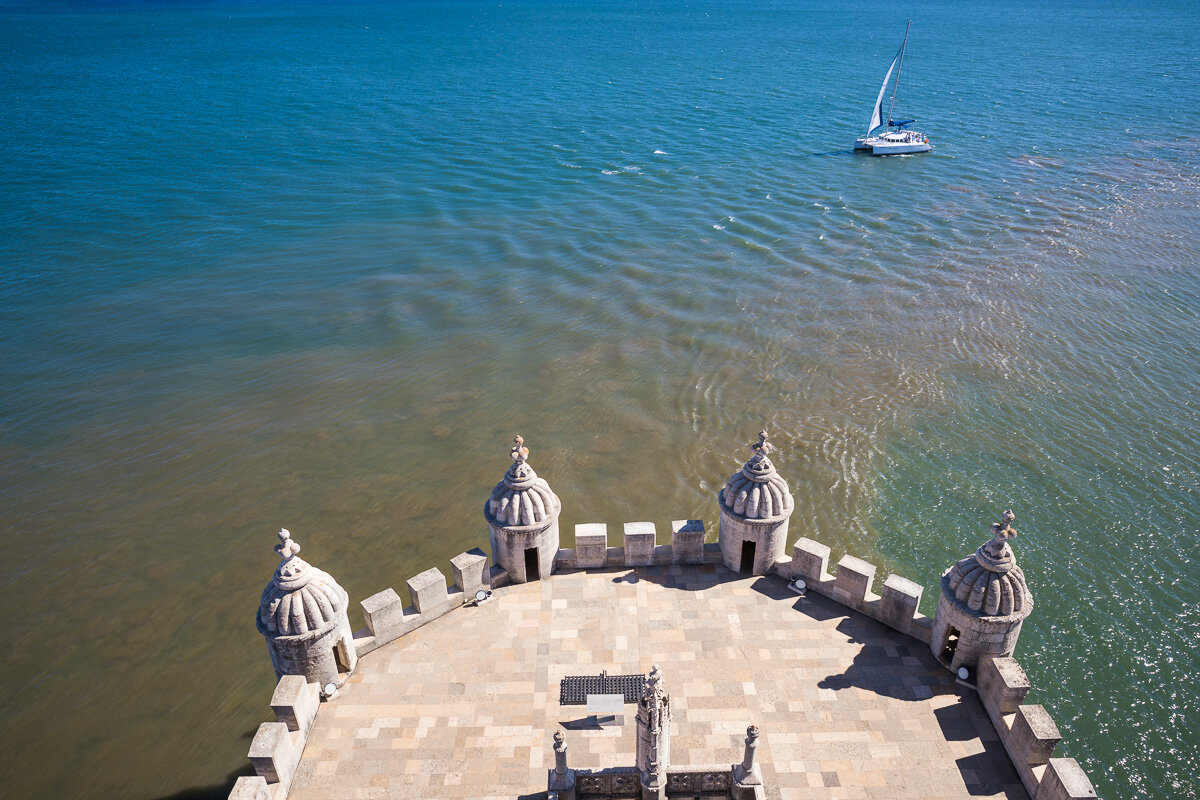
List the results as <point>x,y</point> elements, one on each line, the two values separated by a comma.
<point>574,689</point>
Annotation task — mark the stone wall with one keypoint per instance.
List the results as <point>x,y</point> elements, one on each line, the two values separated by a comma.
<point>1028,733</point>
<point>312,654</point>
<point>277,746</point>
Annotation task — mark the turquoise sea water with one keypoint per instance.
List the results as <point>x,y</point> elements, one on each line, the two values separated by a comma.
<point>312,265</point>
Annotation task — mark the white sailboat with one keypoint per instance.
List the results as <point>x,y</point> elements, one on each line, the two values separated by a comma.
<point>901,140</point>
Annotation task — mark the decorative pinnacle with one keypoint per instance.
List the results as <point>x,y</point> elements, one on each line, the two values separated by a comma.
<point>1002,530</point>
<point>762,446</point>
<point>519,452</point>
<point>286,547</point>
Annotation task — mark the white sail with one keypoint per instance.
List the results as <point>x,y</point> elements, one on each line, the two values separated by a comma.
<point>877,111</point>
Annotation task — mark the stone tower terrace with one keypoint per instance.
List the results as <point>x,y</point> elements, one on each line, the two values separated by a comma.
<point>465,707</point>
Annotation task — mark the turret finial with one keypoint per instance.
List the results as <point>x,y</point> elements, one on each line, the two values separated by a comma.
<point>1003,530</point>
<point>519,452</point>
<point>286,547</point>
<point>762,447</point>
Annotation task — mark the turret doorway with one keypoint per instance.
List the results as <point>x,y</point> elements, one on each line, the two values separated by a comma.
<point>747,556</point>
<point>951,644</point>
<point>532,570</point>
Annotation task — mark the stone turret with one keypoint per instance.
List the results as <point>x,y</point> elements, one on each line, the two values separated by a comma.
<point>302,615</point>
<point>755,506</point>
<point>522,516</point>
<point>983,603</point>
<point>654,737</point>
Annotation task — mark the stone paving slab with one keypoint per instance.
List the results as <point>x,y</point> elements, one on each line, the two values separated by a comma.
<point>466,706</point>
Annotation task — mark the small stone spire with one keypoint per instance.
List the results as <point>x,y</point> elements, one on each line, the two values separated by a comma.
<point>759,467</point>
<point>654,683</point>
<point>519,452</point>
<point>751,748</point>
<point>561,779</point>
<point>654,731</point>
<point>287,548</point>
<point>757,490</point>
<point>995,555</point>
<point>560,753</point>
<point>293,572</point>
<point>520,474</point>
<point>1003,530</point>
<point>747,774</point>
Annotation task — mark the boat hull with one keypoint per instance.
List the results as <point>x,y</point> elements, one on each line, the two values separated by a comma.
<point>894,143</point>
<point>899,148</point>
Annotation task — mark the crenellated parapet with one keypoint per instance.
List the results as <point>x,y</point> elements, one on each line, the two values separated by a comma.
<point>1028,733</point>
<point>277,746</point>
<point>983,601</point>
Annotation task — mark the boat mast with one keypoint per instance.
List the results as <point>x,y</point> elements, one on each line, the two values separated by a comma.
<point>899,67</point>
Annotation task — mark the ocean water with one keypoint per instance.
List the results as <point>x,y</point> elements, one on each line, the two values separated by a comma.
<point>314,264</point>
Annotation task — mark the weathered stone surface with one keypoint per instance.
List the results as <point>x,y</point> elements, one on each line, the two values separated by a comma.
<point>900,598</point>
<point>384,614</point>
<point>1033,736</point>
<point>810,560</point>
<point>639,544</point>
<point>591,545</point>
<point>251,788</point>
<point>1064,779</point>
<point>272,754</point>
<point>428,591</point>
<point>295,702</point>
<point>1002,684</point>
<point>468,570</point>
<point>497,577</point>
<point>807,658</point>
<point>854,577</point>
<point>654,715</point>
<point>769,540</point>
<point>687,541</point>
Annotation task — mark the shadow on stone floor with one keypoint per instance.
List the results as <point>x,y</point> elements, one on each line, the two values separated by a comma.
<point>961,721</point>
<point>688,579</point>
<point>889,664</point>
<point>990,772</point>
<point>216,791</point>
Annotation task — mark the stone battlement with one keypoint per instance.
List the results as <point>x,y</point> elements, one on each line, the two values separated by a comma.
<point>1027,732</point>
<point>982,604</point>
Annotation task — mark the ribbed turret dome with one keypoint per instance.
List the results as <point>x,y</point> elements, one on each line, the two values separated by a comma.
<point>757,491</point>
<point>990,582</point>
<point>300,598</point>
<point>521,498</point>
